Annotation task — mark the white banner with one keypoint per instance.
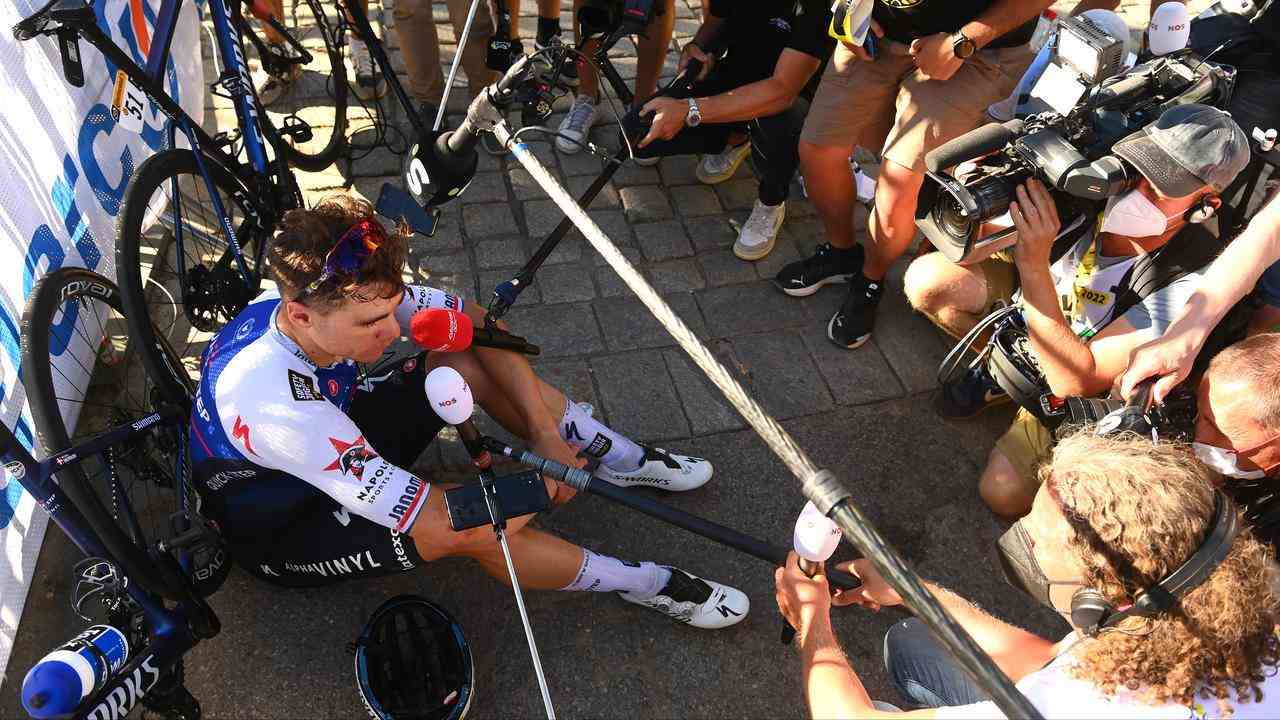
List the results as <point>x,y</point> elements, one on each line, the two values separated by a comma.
<point>64,167</point>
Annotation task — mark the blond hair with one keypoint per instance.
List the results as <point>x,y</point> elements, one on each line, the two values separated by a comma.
<point>1138,511</point>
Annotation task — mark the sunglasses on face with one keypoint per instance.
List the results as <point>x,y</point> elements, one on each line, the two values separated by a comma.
<point>349,254</point>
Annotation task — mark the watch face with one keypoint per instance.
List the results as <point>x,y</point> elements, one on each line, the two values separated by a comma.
<point>963,47</point>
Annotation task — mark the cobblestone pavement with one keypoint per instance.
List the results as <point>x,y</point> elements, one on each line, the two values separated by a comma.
<point>863,414</point>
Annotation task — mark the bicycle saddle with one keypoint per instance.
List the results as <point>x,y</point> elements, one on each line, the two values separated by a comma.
<point>54,16</point>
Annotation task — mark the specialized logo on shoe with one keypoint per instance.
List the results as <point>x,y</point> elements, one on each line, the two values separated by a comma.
<point>352,457</point>
<point>663,457</point>
<point>599,446</point>
<point>650,480</point>
<point>302,387</point>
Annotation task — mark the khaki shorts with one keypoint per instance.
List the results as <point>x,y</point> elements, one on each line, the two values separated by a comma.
<point>1002,280</point>
<point>887,104</point>
<point>1027,444</point>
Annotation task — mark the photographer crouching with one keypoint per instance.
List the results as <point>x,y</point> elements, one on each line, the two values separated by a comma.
<point>1087,309</point>
<point>1165,591</point>
<point>766,80</point>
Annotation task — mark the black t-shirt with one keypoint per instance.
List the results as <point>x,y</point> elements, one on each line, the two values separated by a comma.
<point>906,20</point>
<point>757,31</point>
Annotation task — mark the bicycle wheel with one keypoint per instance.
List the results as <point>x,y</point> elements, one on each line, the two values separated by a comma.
<point>179,276</point>
<point>315,91</point>
<point>82,373</point>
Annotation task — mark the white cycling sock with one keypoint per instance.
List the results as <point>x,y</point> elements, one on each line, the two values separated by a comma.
<point>602,573</point>
<point>616,451</point>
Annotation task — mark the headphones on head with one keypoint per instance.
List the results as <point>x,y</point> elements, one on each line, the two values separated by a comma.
<point>1091,612</point>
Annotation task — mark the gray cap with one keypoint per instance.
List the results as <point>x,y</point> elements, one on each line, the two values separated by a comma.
<point>1186,148</point>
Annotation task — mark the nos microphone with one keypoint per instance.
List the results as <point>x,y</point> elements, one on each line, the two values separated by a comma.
<point>815,539</point>
<point>450,397</point>
<point>1170,28</point>
<point>444,330</point>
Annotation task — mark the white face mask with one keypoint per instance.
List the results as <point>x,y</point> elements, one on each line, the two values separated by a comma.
<point>1134,215</point>
<point>1226,462</point>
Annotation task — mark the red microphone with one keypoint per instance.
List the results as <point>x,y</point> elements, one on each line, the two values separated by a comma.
<point>444,330</point>
<point>441,330</point>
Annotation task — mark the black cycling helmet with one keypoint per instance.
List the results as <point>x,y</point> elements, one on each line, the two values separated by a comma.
<point>412,661</point>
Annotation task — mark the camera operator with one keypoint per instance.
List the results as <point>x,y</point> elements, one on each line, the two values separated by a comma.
<point>938,64</point>
<point>1114,517</point>
<point>768,76</point>
<point>651,51</point>
<point>1186,157</point>
<point>1228,279</point>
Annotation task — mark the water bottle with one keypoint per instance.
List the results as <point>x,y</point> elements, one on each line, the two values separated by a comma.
<point>1044,28</point>
<point>57,685</point>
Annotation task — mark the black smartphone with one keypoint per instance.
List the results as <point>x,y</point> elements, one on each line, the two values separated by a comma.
<point>521,493</point>
<point>395,202</point>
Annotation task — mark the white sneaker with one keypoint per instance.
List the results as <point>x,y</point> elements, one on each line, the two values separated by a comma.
<point>575,126</point>
<point>367,85</point>
<point>760,231</point>
<point>663,470</point>
<point>701,603</point>
<point>717,168</point>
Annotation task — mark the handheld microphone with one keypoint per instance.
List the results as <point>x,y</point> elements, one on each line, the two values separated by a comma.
<point>444,330</point>
<point>815,538</point>
<point>1170,28</point>
<point>450,396</point>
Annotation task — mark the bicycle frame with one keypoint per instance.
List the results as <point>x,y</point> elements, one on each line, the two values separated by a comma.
<point>168,630</point>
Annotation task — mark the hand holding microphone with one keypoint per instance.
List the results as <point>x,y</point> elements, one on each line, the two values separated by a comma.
<point>444,330</point>
<point>814,539</point>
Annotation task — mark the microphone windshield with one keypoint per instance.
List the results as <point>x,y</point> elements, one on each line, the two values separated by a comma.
<point>1170,28</point>
<point>441,330</point>
<point>816,536</point>
<point>449,395</point>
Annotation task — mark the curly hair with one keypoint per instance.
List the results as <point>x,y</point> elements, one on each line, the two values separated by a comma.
<point>1148,508</point>
<point>296,256</point>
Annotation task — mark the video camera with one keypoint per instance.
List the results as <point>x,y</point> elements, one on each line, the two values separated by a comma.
<point>1086,108</point>
<point>1173,420</point>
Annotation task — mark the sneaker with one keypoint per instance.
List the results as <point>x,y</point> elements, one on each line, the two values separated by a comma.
<point>575,126</point>
<point>663,470</point>
<point>759,231</point>
<point>717,168</point>
<point>827,265</point>
<point>852,324</point>
<point>568,71</point>
<point>968,396</point>
<point>691,600</point>
<point>277,86</point>
<point>369,86</point>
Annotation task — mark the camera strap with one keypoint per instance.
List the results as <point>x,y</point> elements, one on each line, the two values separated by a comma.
<point>1190,251</point>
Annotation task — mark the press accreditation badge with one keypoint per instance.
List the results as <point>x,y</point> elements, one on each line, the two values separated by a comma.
<point>127,102</point>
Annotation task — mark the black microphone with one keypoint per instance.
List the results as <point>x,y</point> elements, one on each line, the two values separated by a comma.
<point>975,143</point>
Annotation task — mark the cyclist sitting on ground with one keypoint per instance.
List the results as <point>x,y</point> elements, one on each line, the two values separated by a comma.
<point>303,463</point>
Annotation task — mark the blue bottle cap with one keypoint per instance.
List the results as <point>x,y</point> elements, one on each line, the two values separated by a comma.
<point>50,690</point>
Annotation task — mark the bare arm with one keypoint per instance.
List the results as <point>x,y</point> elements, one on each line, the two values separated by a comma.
<point>1228,279</point>
<point>764,97</point>
<point>1000,18</point>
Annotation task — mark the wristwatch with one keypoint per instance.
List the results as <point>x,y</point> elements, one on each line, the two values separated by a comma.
<point>694,118</point>
<point>961,46</point>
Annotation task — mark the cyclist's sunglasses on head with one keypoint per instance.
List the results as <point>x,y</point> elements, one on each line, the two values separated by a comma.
<point>349,253</point>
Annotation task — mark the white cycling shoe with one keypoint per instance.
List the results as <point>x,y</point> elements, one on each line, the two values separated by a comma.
<point>701,603</point>
<point>663,470</point>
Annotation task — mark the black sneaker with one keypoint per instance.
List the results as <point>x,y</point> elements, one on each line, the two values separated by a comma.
<point>971,394</point>
<point>827,265</point>
<point>852,324</point>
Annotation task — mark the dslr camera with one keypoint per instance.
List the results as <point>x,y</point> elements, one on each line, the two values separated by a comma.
<point>1084,105</point>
